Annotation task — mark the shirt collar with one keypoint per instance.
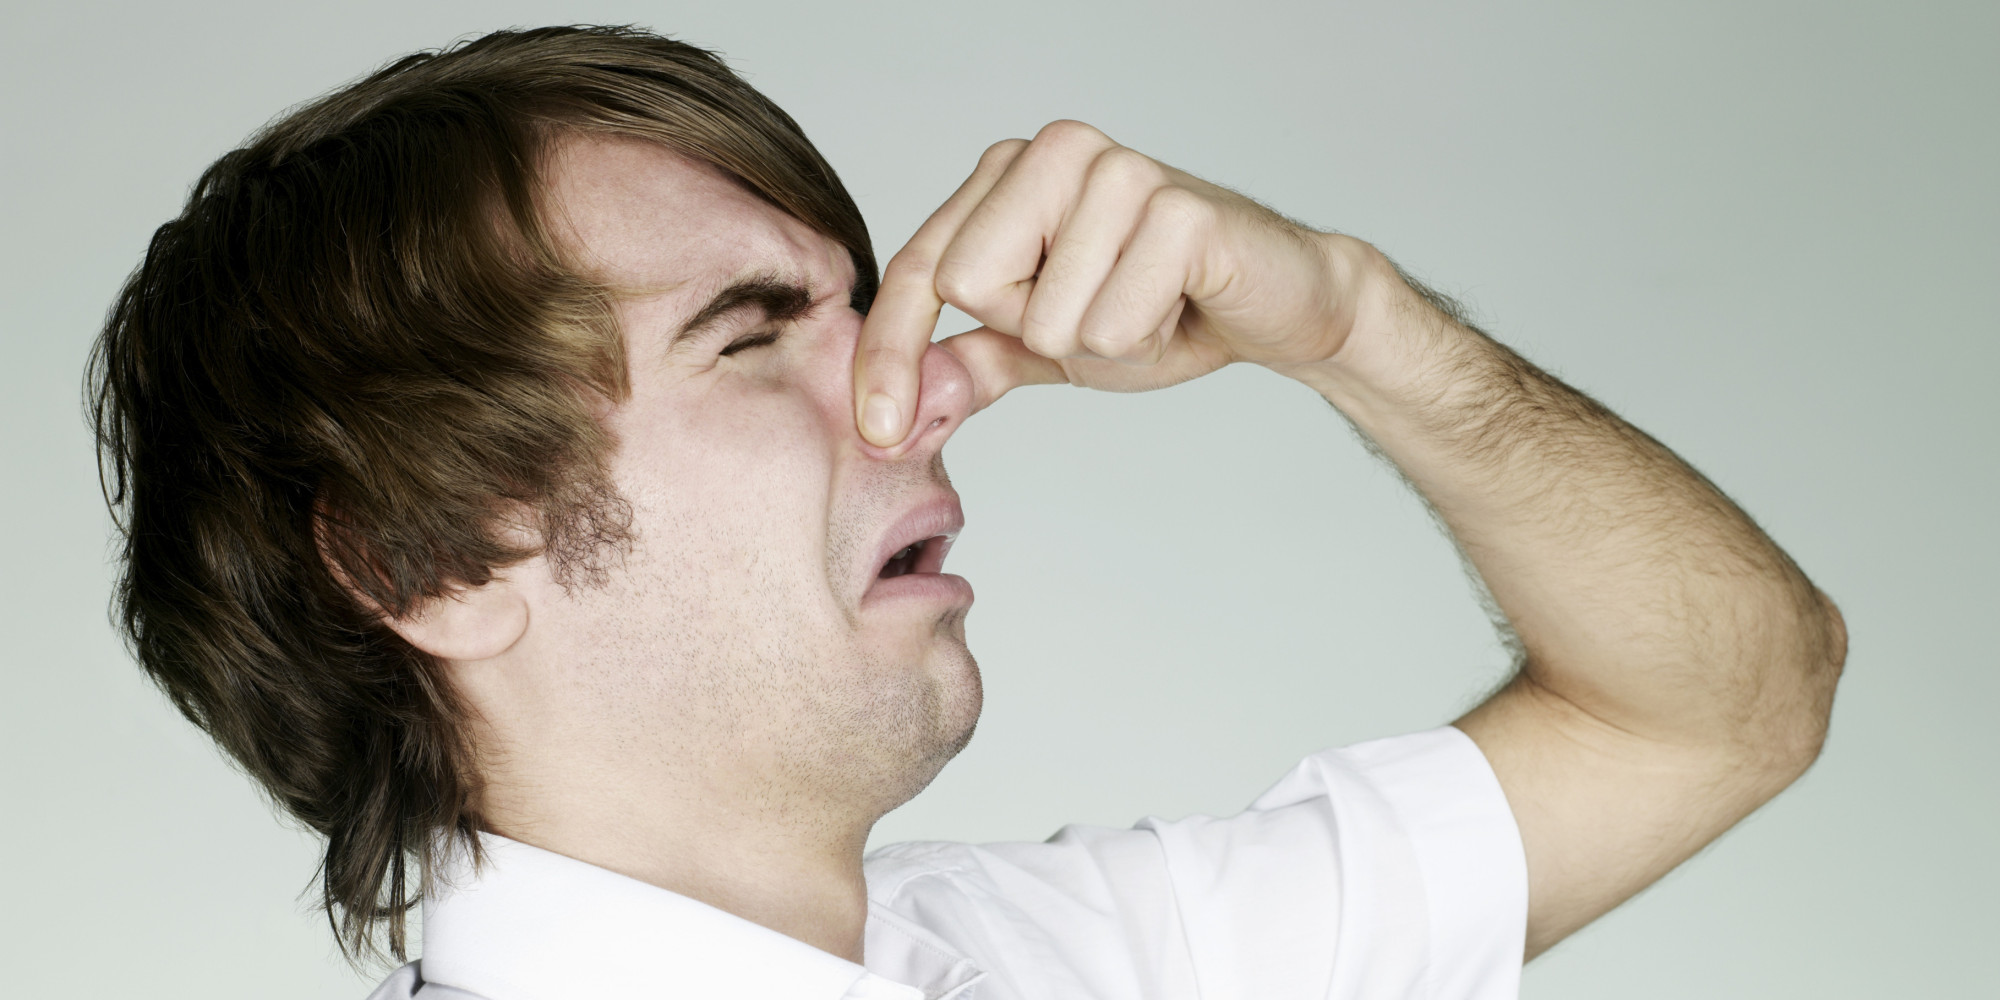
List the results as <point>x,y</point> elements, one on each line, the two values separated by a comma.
<point>531,924</point>
<point>904,952</point>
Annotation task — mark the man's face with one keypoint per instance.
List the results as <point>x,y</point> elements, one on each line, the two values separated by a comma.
<point>745,641</point>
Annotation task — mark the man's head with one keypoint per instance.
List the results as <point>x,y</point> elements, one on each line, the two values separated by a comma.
<point>461,477</point>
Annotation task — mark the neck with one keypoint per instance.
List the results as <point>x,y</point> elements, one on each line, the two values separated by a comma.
<point>797,872</point>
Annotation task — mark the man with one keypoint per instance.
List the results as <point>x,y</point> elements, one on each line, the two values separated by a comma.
<point>523,476</point>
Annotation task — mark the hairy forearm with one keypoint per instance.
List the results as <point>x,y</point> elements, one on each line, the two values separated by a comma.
<point>1635,589</point>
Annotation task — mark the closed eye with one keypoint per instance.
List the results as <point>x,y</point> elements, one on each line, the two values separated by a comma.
<point>757,340</point>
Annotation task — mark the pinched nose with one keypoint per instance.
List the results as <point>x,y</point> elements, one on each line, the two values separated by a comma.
<point>944,400</point>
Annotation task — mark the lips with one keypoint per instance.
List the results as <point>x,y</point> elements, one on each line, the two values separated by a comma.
<point>917,541</point>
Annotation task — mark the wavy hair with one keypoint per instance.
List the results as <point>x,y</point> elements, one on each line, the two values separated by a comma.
<point>338,377</point>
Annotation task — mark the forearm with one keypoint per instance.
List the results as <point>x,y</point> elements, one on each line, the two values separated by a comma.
<point>1637,590</point>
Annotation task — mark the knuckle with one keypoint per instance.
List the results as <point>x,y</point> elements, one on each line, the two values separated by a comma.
<point>1180,206</point>
<point>1127,167</point>
<point>1109,344</point>
<point>1002,152</point>
<point>959,283</point>
<point>904,270</point>
<point>1070,132</point>
<point>1041,330</point>
<point>881,350</point>
<point>883,356</point>
<point>1046,340</point>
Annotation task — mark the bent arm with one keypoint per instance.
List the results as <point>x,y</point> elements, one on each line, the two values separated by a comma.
<point>1675,668</point>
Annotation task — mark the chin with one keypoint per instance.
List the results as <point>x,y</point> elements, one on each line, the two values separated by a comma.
<point>949,712</point>
<point>867,731</point>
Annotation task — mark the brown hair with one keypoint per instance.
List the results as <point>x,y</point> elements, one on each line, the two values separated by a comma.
<point>355,357</point>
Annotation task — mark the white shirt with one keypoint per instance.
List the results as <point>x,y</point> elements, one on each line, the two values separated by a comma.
<point>1388,869</point>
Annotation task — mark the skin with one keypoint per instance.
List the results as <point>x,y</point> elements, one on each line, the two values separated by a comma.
<point>726,718</point>
<point>1675,668</point>
<point>723,717</point>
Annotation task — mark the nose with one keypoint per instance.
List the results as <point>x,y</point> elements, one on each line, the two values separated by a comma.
<point>944,400</point>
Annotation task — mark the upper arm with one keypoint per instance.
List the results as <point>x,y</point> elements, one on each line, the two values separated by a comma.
<point>1603,812</point>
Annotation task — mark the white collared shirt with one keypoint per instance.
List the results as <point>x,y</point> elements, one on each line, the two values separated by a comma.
<point>1388,869</point>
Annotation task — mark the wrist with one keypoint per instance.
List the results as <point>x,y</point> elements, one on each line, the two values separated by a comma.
<point>1376,306</point>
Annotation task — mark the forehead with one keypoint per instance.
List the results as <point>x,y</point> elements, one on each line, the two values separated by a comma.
<point>652,221</point>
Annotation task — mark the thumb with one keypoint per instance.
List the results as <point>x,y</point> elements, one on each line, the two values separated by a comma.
<point>999,362</point>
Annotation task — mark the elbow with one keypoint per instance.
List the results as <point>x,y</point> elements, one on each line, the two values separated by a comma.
<point>1821,656</point>
<point>1832,660</point>
<point>1835,630</point>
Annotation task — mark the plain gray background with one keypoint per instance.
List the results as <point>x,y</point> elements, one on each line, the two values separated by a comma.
<point>1764,232</point>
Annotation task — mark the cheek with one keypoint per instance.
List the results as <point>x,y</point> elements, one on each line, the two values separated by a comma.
<point>754,435</point>
<point>729,491</point>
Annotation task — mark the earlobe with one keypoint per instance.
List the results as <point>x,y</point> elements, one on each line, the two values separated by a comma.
<point>468,624</point>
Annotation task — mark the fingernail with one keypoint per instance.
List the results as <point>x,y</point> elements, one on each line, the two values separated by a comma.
<point>879,419</point>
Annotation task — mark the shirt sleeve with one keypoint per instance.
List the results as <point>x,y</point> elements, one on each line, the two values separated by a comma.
<point>1434,882</point>
<point>1387,869</point>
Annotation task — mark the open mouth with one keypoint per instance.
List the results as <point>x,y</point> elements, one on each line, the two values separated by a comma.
<point>911,551</point>
<point>926,556</point>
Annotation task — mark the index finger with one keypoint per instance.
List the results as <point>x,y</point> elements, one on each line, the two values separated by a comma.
<point>897,331</point>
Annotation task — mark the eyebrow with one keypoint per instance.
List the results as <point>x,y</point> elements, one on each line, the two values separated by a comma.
<point>780,299</point>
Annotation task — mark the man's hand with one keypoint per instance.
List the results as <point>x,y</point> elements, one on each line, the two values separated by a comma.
<point>1676,668</point>
<point>1093,264</point>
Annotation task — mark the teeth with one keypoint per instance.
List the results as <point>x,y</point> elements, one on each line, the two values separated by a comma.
<point>905,560</point>
<point>900,563</point>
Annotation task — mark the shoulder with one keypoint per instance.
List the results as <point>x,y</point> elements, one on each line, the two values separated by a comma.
<point>407,983</point>
<point>1078,862</point>
<point>899,872</point>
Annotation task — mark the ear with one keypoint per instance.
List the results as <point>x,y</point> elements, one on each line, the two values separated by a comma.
<point>468,624</point>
